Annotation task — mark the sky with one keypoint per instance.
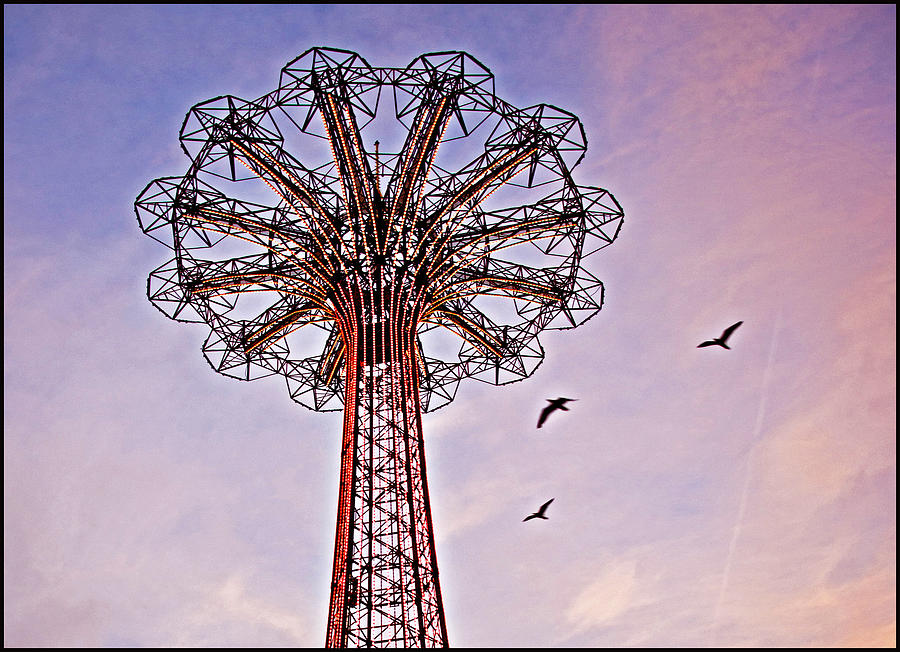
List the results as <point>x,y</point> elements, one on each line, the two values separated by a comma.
<point>702,497</point>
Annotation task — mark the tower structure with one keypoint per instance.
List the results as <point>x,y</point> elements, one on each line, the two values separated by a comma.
<point>395,232</point>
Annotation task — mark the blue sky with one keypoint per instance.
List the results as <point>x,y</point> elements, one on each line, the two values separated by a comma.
<point>702,497</point>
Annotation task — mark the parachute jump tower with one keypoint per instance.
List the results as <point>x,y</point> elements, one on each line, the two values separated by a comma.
<point>426,211</point>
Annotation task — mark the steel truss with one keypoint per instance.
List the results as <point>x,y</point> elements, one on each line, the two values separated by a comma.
<point>385,588</point>
<point>379,249</point>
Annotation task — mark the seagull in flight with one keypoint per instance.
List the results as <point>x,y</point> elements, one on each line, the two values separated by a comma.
<point>723,338</point>
<point>555,404</point>
<point>540,512</point>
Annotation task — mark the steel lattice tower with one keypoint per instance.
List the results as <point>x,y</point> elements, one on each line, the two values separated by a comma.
<point>378,250</point>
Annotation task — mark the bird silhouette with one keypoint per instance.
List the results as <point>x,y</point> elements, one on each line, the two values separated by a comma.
<point>723,338</point>
<point>540,512</point>
<point>555,404</point>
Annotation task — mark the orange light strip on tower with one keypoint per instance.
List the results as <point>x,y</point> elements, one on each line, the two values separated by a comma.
<point>245,290</point>
<point>289,282</point>
<point>506,244</point>
<point>484,280</point>
<point>338,356</point>
<point>340,175</point>
<point>465,339</point>
<point>391,356</point>
<point>401,175</point>
<point>408,176</point>
<point>443,298</point>
<point>413,423</point>
<point>481,181</point>
<point>339,579</point>
<point>421,197</point>
<point>404,173</point>
<point>358,194</point>
<point>468,260</point>
<point>284,321</point>
<point>503,233</point>
<point>285,199</point>
<point>299,263</point>
<point>485,177</point>
<point>450,231</point>
<point>335,636</point>
<point>259,225</point>
<point>302,267</point>
<point>348,154</point>
<point>293,291</point>
<point>471,328</point>
<point>360,153</point>
<point>506,240</point>
<point>309,197</point>
<point>268,340</point>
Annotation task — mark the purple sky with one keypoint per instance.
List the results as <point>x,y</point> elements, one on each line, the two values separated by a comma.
<point>702,497</point>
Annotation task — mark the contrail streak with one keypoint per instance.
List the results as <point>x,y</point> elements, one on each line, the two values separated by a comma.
<point>736,531</point>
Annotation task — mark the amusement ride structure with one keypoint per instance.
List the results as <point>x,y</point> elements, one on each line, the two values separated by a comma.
<point>461,223</point>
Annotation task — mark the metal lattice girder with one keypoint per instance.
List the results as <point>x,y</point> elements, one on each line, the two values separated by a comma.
<point>378,208</point>
<point>385,590</point>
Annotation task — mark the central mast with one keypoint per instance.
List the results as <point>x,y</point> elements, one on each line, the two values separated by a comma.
<point>385,590</point>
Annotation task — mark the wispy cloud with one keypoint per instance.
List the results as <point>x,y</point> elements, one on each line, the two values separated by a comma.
<point>605,598</point>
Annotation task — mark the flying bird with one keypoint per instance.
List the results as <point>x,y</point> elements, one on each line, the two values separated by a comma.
<point>723,338</point>
<point>555,404</point>
<point>540,512</point>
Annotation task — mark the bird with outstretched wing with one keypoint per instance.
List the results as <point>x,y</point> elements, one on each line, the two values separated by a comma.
<point>722,339</point>
<point>539,513</point>
<point>555,404</point>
